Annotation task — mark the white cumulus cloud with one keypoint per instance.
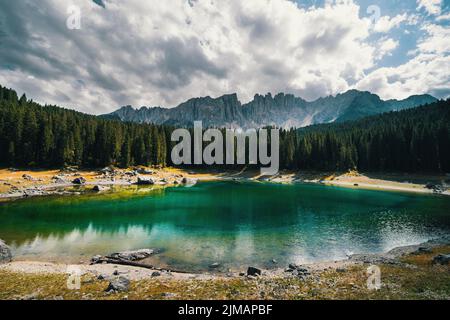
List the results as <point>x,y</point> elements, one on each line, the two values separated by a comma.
<point>433,7</point>
<point>164,52</point>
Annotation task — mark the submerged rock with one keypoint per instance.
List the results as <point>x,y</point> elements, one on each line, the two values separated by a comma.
<point>5,253</point>
<point>214,265</point>
<point>121,284</point>
<point>189,181</point>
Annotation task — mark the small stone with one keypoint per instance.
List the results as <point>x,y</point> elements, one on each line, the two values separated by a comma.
<point>31,296</point>
<point>145,171</point>
<point>96,259</point>
<point>120,284</point>
<point>156,274</point>
<point>293,266</point>
<point>107,170</point>
<point>116,273</point>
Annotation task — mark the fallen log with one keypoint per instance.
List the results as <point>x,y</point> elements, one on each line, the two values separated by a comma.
<point>123,263</point>
<point>133,264</point>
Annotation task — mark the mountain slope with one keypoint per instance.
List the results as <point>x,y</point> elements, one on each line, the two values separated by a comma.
<point>282,110</point>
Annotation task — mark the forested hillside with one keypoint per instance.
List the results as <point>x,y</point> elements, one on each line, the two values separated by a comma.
<point>415,140</point>
<point>32,135</point>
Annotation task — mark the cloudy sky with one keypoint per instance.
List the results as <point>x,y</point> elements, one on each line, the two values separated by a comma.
<point>160,53</point>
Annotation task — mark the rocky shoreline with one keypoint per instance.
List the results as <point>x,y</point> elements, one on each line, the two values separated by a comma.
<point>74,182</point>
<point>412,272</point>
<point>131,262</point>
<point>15,184</point>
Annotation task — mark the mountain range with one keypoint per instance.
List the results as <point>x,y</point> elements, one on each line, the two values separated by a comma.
<point>281,110</point>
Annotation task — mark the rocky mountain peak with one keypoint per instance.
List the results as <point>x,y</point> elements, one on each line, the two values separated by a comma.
<point>282,110</point>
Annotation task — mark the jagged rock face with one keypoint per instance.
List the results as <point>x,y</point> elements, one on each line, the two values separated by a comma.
<point>282,110</point>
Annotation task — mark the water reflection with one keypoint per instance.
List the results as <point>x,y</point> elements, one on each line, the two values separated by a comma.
<point>234,224</point>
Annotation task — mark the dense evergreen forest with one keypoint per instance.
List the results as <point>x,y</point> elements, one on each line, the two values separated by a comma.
<point>32,135</point>
<point>415,140</point>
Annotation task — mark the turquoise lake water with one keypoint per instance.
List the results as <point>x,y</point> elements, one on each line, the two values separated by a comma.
<point>233,223</point>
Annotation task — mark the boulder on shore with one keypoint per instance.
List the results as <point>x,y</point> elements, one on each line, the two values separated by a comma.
<point>142,181</point>
<point>99,188</point>
<point>144,171</point>
<point>121,284</point>
<point>252,271</point>
<point>27,177</point>
<point>59,180</point>
<point>79,181</point>
<point>107,170</point>
<point>5,253</point>
<point>442,259</point>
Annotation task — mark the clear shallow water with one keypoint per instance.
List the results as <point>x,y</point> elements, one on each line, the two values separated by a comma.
<point>234,223</point>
